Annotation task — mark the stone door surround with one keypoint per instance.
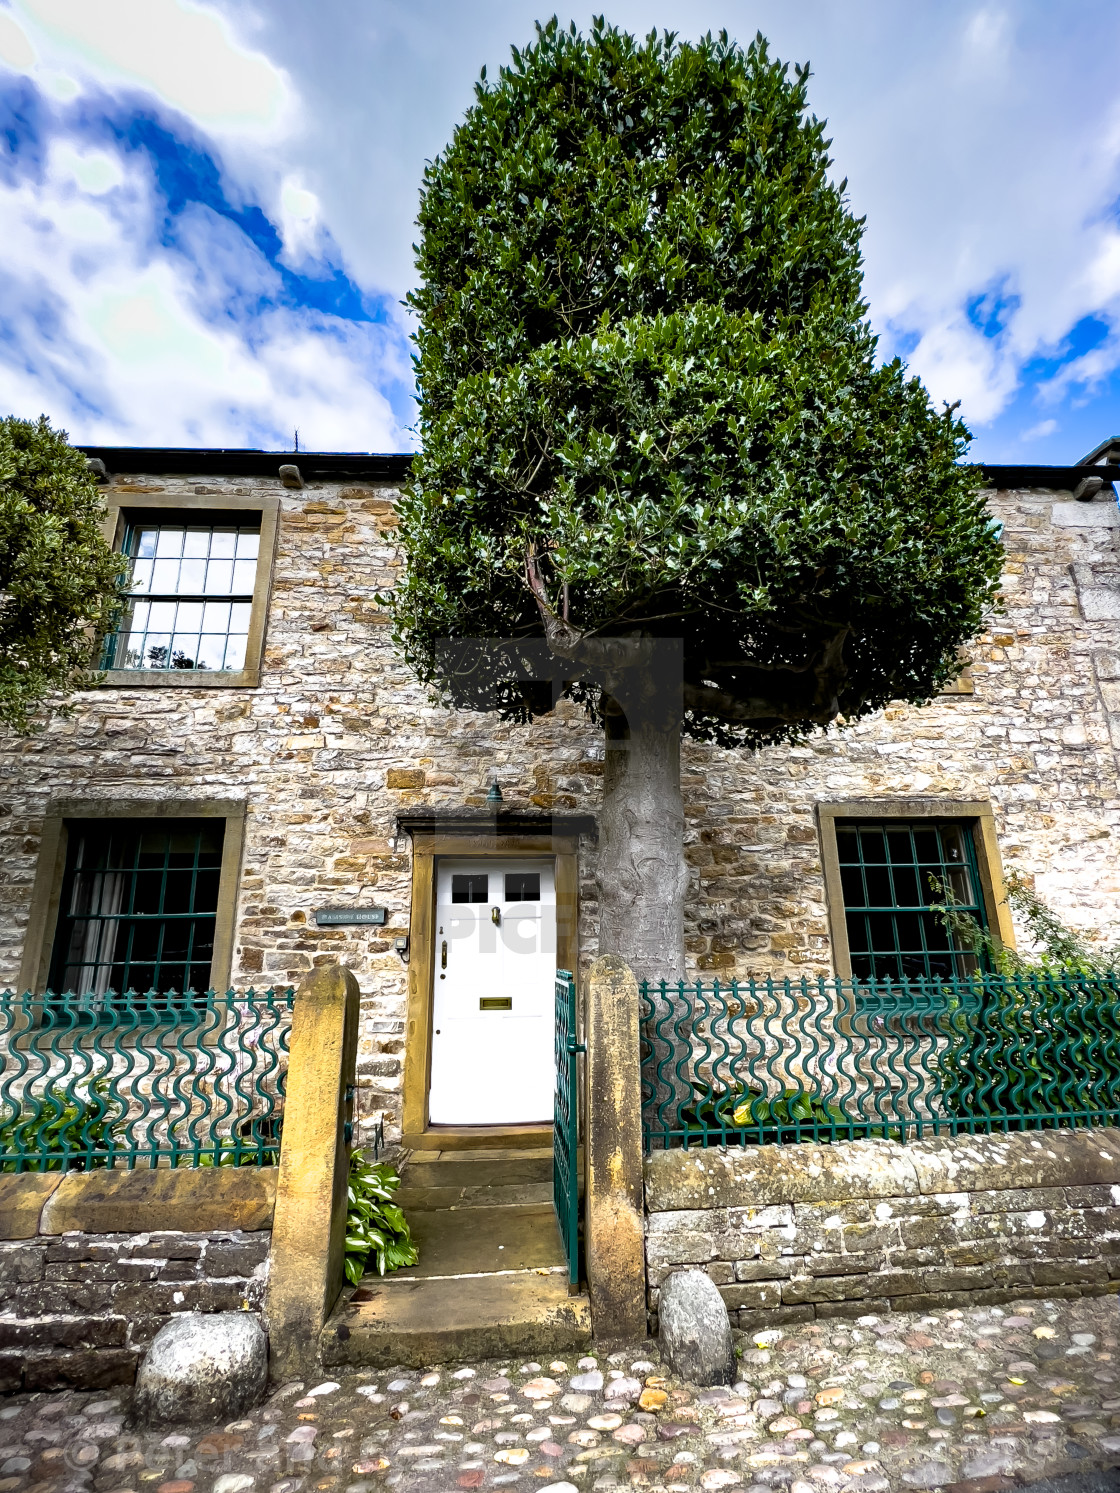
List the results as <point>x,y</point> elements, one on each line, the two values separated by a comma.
<point>475,835</point>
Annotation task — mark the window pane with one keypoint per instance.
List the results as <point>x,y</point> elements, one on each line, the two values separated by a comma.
<point>193,562</point>
<point>161,616</point>
<point>878,886</point>
<point>165,577</point>
<point>138,911</point>
<point>189,618</point>
<point>899,848</point>
<point>469,888</point>
<point>215,616</point>
<point>871,843</point>
<point>219,577</point>
<point>851,879</point>
<point>235,653</point>
<point>904,936</point>
<point>192,577</point>
<point>523,886</point>
<point>210,652</point>
<point>169,542</point>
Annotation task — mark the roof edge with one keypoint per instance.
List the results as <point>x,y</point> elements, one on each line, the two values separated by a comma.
<point>395,466</point>
<point>1054,479</point>
<point>215,461</point>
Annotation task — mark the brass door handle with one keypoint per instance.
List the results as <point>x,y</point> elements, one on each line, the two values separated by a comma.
<point>443,955</point>
<point>496,916</point>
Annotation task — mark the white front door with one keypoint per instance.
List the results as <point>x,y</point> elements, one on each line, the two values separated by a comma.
<point>493,1007</point>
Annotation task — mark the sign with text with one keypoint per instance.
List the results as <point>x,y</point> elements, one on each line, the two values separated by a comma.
<point>345,917</point>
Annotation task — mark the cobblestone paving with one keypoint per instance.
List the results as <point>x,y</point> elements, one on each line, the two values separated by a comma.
<point>973,1398</point>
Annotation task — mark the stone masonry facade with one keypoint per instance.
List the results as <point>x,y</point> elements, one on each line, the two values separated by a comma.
<point>338,739</point>
<point>79,1309</point>
<point>803,1233</point>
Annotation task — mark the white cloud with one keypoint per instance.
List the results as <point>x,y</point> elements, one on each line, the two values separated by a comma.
<point>1040,431</point>
<point>300,225</point>
<point>186,54</point>
<point>115,338</point>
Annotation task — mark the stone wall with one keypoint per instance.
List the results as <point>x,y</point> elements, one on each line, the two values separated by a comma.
<point>78,1309</point>
<point>793,1233</point>
<point>338,739</point>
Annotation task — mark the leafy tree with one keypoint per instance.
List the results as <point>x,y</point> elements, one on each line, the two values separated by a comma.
<point>59,579</point>
<point>656,442</point>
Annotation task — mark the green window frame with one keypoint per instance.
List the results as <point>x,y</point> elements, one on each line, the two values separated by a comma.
<point>885,867</point>
<point>139,906</point>
<point>190,594</point>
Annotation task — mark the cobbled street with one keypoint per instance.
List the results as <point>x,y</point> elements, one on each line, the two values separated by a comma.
<point>977,1399</point>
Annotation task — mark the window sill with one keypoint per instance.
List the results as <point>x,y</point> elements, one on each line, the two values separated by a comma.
<point>180,679</point>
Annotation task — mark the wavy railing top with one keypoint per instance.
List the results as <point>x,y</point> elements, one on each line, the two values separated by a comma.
<point>766,1061</point>
<point>115,1078</point>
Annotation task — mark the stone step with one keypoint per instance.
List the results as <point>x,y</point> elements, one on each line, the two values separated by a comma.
<point>477,1171</point>
<point>491,1281</point>
<point>417,1199</point>
<point>421,1321</point>
<point>482,1240</point>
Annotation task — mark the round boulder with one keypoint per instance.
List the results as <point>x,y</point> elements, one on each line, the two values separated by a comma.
<point>202,1367</point>
<point>694,1331</point>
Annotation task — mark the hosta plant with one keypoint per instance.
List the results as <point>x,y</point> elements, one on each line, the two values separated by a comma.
<point>377,1234</point>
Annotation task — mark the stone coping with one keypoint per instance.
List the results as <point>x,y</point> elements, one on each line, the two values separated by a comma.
<point>187,1199</point>
<point>756,1176</point>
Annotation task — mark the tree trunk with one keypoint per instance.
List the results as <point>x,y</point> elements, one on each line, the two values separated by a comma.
<point>642,873</point>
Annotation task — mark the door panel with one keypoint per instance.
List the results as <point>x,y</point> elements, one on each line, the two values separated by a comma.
<point>492,1007</point>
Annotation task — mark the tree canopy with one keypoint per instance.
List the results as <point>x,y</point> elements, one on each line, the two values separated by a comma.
<point>651,404</point>
<point>59,578</point>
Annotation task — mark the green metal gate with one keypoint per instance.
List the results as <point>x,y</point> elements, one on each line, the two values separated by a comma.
<point>565,1129</point>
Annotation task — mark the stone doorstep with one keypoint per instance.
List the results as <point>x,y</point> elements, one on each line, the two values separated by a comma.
<point>420,1322</point>
<point>492,1277</point>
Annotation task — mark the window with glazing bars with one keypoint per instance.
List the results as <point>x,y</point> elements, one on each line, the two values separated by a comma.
<point>138,907</point>
<point>888,869</point>
<point>190,595</point>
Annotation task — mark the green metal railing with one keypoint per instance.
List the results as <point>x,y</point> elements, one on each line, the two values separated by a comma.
<point>757,1062</point>
<point>128,1079</point>
<point>565,1131</point>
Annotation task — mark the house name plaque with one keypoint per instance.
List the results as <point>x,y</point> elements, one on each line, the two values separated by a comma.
<point>345,917</point>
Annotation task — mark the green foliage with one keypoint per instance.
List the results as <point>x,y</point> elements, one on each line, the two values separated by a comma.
<point>650,404</point>
<point>62,1128</point>
<point>1058,949</point>
<point>59,579</point>
<point>770,1120</point>
<point>1024,1044</point>
<point>375,1227</point>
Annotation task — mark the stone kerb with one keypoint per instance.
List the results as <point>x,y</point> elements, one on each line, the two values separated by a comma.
<point>792,1233</point>
<point>309,1225</point>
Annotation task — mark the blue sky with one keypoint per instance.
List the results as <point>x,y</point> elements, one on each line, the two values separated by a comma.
<point>208,208</point>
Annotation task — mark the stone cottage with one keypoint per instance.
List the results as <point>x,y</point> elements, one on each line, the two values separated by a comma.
<point>259,787</point>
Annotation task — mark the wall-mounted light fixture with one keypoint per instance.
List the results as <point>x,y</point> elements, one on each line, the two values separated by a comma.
<point>401,946</point>
<point>494,797</point>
